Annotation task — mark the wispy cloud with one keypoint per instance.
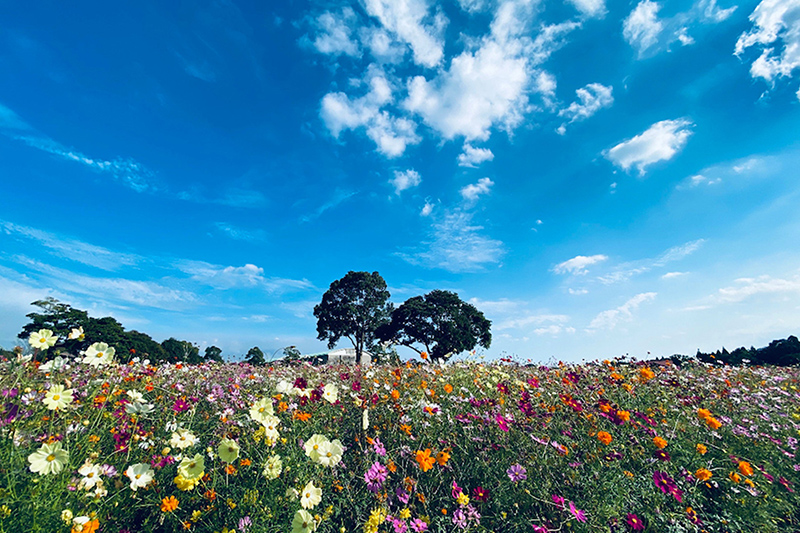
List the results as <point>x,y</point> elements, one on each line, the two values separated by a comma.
<point>339,196</point>
<point>457,246</point>
<point>745,288</point>
<point>591,99</point>
<point>124,170</point>
<point>472,157</point>
<point>231,277</point>
<point>405,180</point>
<point>611,318</point>
<point>240,234</point>
<point>578,264</point>
<point>72,249</point>
<point>660,142</point>
<point>625,271</point>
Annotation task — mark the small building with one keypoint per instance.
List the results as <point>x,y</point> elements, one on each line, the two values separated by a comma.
<point>340,356</point>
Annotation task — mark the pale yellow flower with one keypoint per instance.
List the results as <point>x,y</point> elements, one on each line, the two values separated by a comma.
<point>49,459</point>
<point>192,467</point>
<point>310,496</point>
<point>57,397</point>
<point>228,450</point>
<point>42,339</point>
<point>99,354</point>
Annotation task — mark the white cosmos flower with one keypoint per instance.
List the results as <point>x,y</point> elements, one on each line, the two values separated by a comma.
<point>57,397</point>
<point>310,496</point>
<point>283,387</point>
<point>91,475</point>
<point>49,459</point>
<point>76,334</point>
<point>261,409</point>
<point>312,446</point>
<point>365,420</point>
<point>271,424</point>
<point>331,393</point>
<point>274,467</point>
<point>57,363</point>
<point>135,396</point>
<point>330,453</point>
<point>182,439</point>
<point>140,475</point>
<point>99,354</point>
<point>303,522</point>
<point>42,339</point>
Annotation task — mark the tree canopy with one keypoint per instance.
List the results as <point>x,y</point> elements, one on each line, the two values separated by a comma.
<point>255,356</point>
<point>440,322</point>
<point>354,307</point>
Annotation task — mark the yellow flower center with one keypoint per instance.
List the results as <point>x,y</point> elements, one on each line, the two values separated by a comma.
<point>51,458</point>
<point>192,465</point>
<point>56,397</point>
<point>43,340</point>
<point>316,447</point>
<point>308,494</point>
<point>99,354</point>
<point>90,475</point>
<point>138,476</point>
<point>261,410</point>
<point>330,454</point>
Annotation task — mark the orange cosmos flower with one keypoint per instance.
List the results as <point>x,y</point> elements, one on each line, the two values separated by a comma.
<point>703,474</point>
<point>660,443</point>
<point>701,449</point>
<point>406,429</point>
<point>745,468</point>
<point>713,423</point>
<point>395,394</point>
<point>645,374</point>
<point>624,415</point>
<point>297,415</point>
<point>169,504</point>
<point>448,388</point>
<point>89,527</point>
<point>442,458</point>
<point>604,437</point>
<point>736,478</point>
<point>424,355</point>
<point>702,414</point>
<point>425,460</point>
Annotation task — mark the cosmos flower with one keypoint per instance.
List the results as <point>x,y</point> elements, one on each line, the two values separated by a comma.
<point>140,475</point>
<point>99,354</point>
<point>49,459</point>
<point>310,496</point>
<point>517,473</point>
<point>42,339</point>
<point>57,397</point>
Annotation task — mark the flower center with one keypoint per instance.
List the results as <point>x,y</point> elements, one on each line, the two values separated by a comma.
<point>261,410</point>
<point>192,465</point>
<point>43,340</point>
<point>51,458</point>
<point>138,476</point>
<point>99,354</point>
<point>56,397</point>
<point>230,449</point>
<point>316,447</point>
<point>90,475</point>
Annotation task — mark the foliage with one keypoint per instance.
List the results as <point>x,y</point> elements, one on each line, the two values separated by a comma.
<point>783,352</point>
<point>255,356</point>
<point>354,307</point>
<point>441,322</point>
<point>213,354</point>
<point>181,351</point>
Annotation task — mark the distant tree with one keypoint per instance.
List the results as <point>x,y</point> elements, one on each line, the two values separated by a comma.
<point>141,345</point>
<point>213,354</point>
<point>60,318</point>
<point>255,356</point>
<point>291,354</point>
<point>181,351</point>
<point>354,307</point>
<point>439,323</point>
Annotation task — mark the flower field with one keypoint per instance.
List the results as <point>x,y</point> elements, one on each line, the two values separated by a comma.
<point>90,445</point>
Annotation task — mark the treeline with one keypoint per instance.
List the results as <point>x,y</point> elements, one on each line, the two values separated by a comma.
<point>61,319</point>
<point>783,352</point>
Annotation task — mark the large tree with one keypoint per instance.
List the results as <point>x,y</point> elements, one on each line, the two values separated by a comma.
<point>255,357</point>
<point>353,307</point>
<point>439,323</point>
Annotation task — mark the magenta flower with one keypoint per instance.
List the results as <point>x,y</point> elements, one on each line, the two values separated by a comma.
<point>558,500</point>
<point>579,515</point>
<point>634,522</point>
<point>418,525</point>
<point>517,473</point>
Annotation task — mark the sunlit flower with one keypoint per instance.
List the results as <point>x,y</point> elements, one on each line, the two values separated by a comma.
<point>91,475</point>
<point>273,467</point>
<point>425,460</point>
<point>192,467</point>
<point>261,410</point>
<point>140,475</point>
<point>703,474</point>
<point>84,524</point>
<point>365,420</point>
<point>228,450</point>
<point>42,339</point>
<point>76,334</point>
<point>99,354</point>
<point>57,397</point>
<point>659,443</point>
<point>49,459</point>
<point>182,439</point>
<point>270,424</point>
<point>310,496</point>
<point>303,522</point>
<point>701,449</point>
<point>330,453</point>
<point>169,504</point>
<point>745,468</point>
<point>330,393</point>
<point>604,437</point>
<point>186,484</point>
<point>312,446</point>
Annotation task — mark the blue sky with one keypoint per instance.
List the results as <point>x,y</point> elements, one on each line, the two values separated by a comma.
<point>598,177</point>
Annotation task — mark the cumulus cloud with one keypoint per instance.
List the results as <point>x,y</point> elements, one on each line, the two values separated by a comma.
<point>591,99</point>
<point>590,8</point>
<point>412,23</point>
<point>334,33</point>
<point>775,22</point>
<point>472,157</point>
<point>472,191</point>
<point>660,142</point>
<point>611,318</point>
<point>427,209</point>
<point>405,180</point>
<point>391,134</point>
<point>457,245</point>
<point>578,264</point>
<point>642,28</point>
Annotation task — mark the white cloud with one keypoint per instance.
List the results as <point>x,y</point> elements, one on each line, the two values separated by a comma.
<point>554,330</point>
<point>590,8</point>
<point>591,99</point>
<point>625,271</point>
<point>457,246</point>
<point>660,142</point>
<point>72,249</point>
<point>391,134</point>
<point>773,21</point>
<point>240,234</point>
<point>427,209</point>
<point>577,265</point>
<point>472,191</point>
<point>381,45</point>
<point>230,277</point>
<point>472,157</point>
<point>578,292</point>
<point>339,196</point>
<point>624,313</point>
<point>673,275</point>
<point>713,13</point>
<point>748,287</point>
<point>411,22</point>
<point>545,84</point>
<point>479,91</point>
<point>405,180</point>
<point>335,33</point>
<point>642,28</point>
